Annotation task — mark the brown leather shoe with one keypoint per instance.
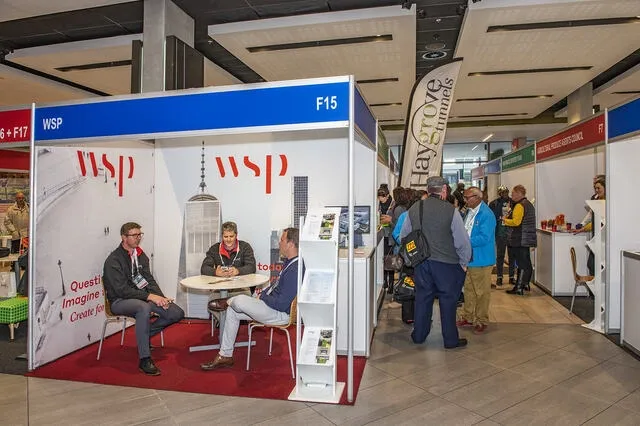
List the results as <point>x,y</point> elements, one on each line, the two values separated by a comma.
<point>218,362</point>
<point>218,305</point>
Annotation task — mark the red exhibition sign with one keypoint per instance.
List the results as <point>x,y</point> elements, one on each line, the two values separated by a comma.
<point>582,135</point>
<point>15,126</point>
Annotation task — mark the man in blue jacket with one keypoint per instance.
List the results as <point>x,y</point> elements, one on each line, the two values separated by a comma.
<point>271,307</point>
<point>480,224</point>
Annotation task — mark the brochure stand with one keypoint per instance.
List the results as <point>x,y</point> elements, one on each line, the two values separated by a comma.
<point>316,341</point>
<point>597,246</point>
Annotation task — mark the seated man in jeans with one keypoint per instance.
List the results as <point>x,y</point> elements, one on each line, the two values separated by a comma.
<point>132,291</point>
<point>271,307</point>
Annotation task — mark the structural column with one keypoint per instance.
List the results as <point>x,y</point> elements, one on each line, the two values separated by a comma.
<point>580,104</point>
<point>162,19</point>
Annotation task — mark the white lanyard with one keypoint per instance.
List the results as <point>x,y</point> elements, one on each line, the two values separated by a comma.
<point>235,257</point>
<point>272,287</point>
<point>134,263</point>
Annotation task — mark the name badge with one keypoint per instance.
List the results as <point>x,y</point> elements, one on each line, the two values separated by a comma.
<point>140,281</point>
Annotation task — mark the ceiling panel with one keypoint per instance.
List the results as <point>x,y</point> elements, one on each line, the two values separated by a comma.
<point>19,88</point>
<point>19,9</point>
<point>381,59</point>
<point>596,46</point>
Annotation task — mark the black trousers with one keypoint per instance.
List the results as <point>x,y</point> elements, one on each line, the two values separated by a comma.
<point>501,248</point>
<point>525,269</point>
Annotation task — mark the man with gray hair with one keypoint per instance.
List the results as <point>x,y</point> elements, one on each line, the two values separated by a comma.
<point>443,273</point>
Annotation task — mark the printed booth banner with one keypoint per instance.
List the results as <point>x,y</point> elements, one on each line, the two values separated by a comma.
<point>428,114</point>
<point>84,195</point>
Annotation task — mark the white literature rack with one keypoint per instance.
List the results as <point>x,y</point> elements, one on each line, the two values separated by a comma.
<point>317,316</point>
<point>597,246</point>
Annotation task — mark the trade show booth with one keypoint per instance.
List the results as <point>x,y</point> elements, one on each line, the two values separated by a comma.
<point>623,237</point>
<point>518,168</point>
<point>566,163</point>
<point>180,164</point>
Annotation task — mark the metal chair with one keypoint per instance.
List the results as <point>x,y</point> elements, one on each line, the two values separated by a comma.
<point>111,317</point>
<point>293,313</point>
<point>580,280</point>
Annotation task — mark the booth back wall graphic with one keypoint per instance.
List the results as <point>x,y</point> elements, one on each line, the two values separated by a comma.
<point>84,195</point>
<point>251,184</point>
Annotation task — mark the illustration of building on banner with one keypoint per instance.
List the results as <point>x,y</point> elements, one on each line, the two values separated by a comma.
<point>300,198</point>
<point>202,222</point>
<point>276,262</point>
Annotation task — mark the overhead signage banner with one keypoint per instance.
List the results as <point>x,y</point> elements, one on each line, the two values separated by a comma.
<point>477,173</point>
<point>428,113</point>
<point>623,120</point>
<point>519,158</point>
<point>492,167</point>
<point>193,112</point>
<point>15,126</point>
<point>590,132</point>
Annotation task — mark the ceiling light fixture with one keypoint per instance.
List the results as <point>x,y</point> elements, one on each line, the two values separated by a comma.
<point>432,56</point>
<point>489,136</point>
<point>503,98</point>
<point>564,24</point>
<point>529,71</point>
<point>473,149</point>
<point>321,43</point>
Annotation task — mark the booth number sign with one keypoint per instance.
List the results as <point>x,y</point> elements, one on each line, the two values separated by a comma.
<point>14,133</point>
<point>326,103</point>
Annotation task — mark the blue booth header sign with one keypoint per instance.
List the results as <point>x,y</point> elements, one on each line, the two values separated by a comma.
<point>189,112</point>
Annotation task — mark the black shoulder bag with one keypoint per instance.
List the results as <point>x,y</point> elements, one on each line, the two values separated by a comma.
<point>415,248</point>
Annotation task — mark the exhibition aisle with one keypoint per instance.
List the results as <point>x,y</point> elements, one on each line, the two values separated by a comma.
<point>536,373</point>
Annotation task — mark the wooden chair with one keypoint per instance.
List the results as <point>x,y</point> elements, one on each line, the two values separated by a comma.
<point>111,317</point>
<point>580,280</point>
<point>293,313</point>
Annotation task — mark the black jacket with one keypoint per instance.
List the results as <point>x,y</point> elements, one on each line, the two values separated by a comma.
<point>117,274</point>
<point>245,261</point>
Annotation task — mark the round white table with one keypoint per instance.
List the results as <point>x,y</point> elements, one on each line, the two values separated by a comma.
<point>223,285</point>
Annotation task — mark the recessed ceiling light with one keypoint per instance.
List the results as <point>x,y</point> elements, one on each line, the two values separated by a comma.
<point>437,54</point>
<point>489,136</point>
<point>438,20</point>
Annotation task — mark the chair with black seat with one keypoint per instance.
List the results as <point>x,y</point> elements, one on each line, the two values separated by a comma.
<point>293,313</point>
<point>111,317</point>
<point>579,280</point>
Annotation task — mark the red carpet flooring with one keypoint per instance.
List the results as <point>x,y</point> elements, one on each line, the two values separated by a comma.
<point>269,377</point>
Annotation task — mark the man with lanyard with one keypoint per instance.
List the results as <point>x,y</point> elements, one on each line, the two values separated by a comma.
<point>272,306</point>
<point>132,291</point>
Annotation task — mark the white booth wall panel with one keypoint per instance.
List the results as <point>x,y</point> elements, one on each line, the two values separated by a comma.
<point>520,176</point>
<point>243,198</point>
<point>563,185</point>
<point>78,220</point>
<point>622,216</point>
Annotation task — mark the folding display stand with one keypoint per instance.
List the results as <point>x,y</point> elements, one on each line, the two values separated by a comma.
<point>317,299</point>
<point>597,246</point>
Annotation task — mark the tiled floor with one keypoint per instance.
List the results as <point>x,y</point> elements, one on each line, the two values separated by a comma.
<point>522,371</point>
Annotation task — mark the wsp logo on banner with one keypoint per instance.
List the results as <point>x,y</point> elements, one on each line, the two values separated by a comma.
<point>255,168</point>
<point>109,167</point>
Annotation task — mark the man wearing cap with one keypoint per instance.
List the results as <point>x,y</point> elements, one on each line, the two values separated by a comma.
<point>500,207</point>
<point>443,273</point>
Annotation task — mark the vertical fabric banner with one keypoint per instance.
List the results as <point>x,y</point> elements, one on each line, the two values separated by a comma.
<point>428,113</point>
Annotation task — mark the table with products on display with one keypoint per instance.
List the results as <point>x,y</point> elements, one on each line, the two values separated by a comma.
<point>222,285</point>
<point>554,272</point>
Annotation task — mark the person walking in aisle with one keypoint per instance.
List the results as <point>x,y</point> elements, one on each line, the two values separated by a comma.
<point>480,224</point>
<point>522,221</point>
<point>442,273</point>
<point>500,208</point>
